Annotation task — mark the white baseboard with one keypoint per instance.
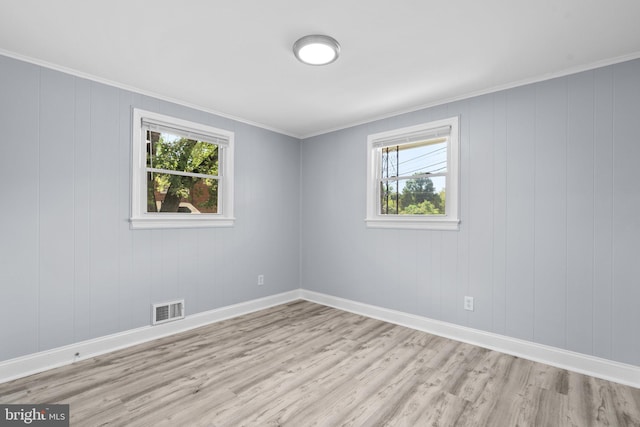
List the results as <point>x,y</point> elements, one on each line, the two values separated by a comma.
<point>577,362</point>
<point>565,359</point>
<point>44,360</point>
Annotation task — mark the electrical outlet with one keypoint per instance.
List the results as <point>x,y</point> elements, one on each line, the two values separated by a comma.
<point>468,303</point>
<point>260,279</point>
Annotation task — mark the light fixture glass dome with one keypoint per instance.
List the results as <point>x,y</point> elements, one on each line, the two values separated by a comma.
<point>316,49</point>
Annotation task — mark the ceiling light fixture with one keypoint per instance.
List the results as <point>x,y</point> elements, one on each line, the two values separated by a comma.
<point>316,49</point>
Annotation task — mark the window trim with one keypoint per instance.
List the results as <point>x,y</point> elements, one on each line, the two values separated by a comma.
<point>140,218</point>
<point>450,220</point>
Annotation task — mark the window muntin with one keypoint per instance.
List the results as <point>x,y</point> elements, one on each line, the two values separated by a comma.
<point>182,173</point>
<point>413,177</point>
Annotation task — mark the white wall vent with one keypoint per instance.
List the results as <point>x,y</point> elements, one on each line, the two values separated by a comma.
<point>167,312</point>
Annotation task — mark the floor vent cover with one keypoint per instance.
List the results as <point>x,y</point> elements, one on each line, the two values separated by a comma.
<point>167,312</point>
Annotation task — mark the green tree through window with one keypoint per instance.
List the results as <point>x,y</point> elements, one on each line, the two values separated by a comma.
<point>418,197</point>
<point>184,174</point>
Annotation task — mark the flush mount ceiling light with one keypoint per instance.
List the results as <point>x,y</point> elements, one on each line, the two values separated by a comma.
<point>316,49</point>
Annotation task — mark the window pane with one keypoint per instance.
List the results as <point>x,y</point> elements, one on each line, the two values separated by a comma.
<point>171,152</point>
<point>389,198</point>
<point>181,194</point>
<point>412,159</point>
<point>420,196</point>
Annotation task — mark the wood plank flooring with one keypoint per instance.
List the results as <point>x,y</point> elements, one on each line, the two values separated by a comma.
<point>304,364</point>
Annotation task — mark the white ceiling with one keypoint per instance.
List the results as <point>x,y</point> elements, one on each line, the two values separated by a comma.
<point>234,57</point>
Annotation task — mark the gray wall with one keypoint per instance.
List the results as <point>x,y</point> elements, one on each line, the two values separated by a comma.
<point>548,244</point>
<point>550,208</point>
<point>70,267</point>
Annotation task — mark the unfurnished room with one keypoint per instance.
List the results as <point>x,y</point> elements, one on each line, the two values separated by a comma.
<point>340,213</point>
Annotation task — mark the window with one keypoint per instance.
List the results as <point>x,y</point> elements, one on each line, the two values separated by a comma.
<point>412,177</point>
<point>182,173</point>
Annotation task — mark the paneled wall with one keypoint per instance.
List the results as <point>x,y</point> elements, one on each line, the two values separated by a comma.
<point>70,267</point>
<point>549,243</point>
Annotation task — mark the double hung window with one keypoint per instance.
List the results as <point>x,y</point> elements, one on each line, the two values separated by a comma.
<point>412,177</point>
<point>182,173</point>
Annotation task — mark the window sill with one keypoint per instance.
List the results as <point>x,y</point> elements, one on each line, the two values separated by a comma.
<point>174,221</point>
<point>414,223</point>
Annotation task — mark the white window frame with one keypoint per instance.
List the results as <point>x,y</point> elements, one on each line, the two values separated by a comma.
<point>140,218</point>
<point>375,142</point>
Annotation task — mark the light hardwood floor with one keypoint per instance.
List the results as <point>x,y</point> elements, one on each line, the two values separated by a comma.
<point>304,364</point>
